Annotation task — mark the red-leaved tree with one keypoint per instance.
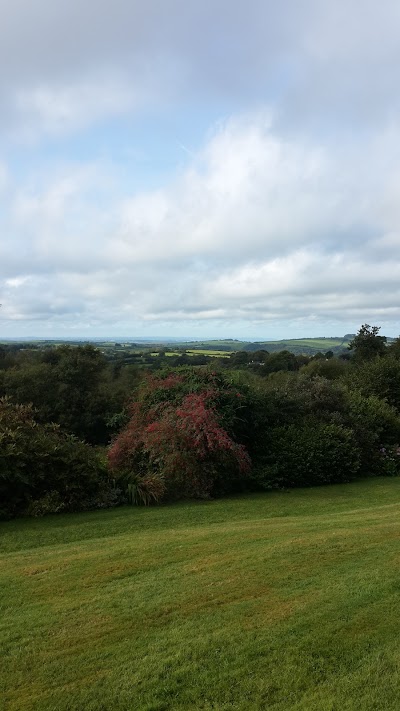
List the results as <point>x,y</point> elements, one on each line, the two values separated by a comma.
<point>175,436</point>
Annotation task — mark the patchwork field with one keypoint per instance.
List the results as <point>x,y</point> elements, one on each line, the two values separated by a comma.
<point>283,601</point>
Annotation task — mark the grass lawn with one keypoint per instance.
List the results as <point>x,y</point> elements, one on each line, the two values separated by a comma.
<point>282,601</point>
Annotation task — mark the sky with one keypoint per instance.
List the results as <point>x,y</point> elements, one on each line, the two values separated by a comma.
<point>213,169</point>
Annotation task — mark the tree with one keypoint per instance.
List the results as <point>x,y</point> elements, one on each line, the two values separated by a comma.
<point>367,344</point>
<point>41,464</point>
<point>182,431</point>
<point>259,356</point>
<point>66,385</point>
<point>331,368</point>
<point>310,454</point>
<point>281,360</point>
<point>379,377</point>
<point>239,358</point>
<point>394,348</point>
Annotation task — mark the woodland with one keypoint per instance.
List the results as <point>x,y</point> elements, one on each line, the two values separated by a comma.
<point>81,429</point>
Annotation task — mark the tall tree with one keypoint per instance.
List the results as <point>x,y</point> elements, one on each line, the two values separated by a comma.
<point>367,344</point>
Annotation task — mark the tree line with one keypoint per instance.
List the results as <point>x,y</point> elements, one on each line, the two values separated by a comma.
<point>77,432</point>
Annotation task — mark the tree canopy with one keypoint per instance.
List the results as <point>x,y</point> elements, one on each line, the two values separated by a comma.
<point>367,344</point>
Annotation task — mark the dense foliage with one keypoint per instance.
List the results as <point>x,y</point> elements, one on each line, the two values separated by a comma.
<point>42,469</point>
<point>251,420</point>
<point>182,431</point>
<point>314,453</point>
<point>72,386</point>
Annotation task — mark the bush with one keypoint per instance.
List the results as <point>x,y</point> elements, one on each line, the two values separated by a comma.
<point>379,377</point>
<point>44,469</point>
<point>374,424</point>
<point>329,368</point>
<point>301,404</point>
<point>71,386</point>
<point>145,490</point>
<point>181,433</point>
<point>50,503</point>
<point>390,461</point>
<point>309,455</point>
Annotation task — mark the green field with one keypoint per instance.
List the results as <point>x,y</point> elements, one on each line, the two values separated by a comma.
<point>281,601</point>
<point>209,352</point>
<point>309,346</point>
<point>197,351</point>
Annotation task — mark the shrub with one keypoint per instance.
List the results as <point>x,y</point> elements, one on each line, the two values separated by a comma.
<point>379,377</point>
<point>67,385</point>
<point>40,463</point>
<point>374,424</point>
<point>48,504</point>
<point>390,461</point>
<point>308,455</point>
<point>178,431</point>
<point>329,368</point>
<point>144,490</point>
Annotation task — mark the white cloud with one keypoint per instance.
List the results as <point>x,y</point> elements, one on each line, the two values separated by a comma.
<point>288,213</point>
<point>58,109</point>
<point>71,64</point>
<point>248,193</point>
<point>259,229</point>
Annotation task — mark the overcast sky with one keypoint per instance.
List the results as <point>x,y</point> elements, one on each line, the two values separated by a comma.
<point>213,168</point>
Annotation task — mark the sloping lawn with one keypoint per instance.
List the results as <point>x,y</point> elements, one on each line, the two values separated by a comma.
<point>282,601</point>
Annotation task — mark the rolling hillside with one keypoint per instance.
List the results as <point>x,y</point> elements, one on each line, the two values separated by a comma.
<point>282,601</point>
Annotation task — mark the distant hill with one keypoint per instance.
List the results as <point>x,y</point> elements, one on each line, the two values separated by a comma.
<point>309,346</point>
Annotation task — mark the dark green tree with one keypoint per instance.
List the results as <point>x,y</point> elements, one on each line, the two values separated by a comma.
<point>379,377</point>
<point>394,348</point>
<point>69,385</point>
<point>239,358</point>
<point>281,360</point>
<point>367,344</point>
<point>44,470</point>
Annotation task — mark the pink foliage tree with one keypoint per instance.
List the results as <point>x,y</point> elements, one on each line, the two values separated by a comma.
<point>175,432</point>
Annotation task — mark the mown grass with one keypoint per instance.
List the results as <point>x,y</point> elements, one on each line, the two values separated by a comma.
<point>283,601</point>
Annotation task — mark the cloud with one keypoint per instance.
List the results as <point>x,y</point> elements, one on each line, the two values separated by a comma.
<point>257,229</point>
<point>285,212</point>
<point>233,201</point>
<point>77,63</point>
<point>61,109</point>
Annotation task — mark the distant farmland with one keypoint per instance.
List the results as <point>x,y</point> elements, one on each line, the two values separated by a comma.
<point>220,348</point>
<point>308,346</point>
